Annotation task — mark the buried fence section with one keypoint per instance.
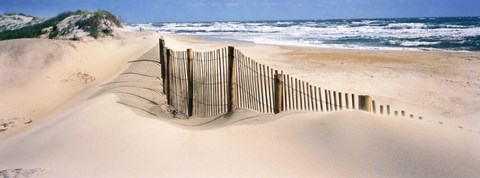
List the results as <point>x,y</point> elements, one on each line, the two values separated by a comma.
<point>179,84</point>
<point>253,84</point>
<point>209,83</point>
<point>213,83</point>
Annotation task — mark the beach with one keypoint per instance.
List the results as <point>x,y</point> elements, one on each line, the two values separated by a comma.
<point>65,132</point>
<point>445,83</point>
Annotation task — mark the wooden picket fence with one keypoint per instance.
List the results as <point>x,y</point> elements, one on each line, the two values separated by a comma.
<point>213,83</point>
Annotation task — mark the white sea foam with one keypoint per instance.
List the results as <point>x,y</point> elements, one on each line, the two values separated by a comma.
<point>406,26</point>
<point>148,27</point>
<point>418,43</point>
<point>403,31</point>
<point>396,34</point>
<point>365,22</point>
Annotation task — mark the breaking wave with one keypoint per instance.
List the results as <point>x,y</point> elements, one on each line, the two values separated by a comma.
<point>454,33</point>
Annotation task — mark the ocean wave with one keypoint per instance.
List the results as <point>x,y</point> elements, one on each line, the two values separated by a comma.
<point>147,26</point>
<point>365,22</point>
<point>418,43</point>
<point>406,26</point>
<point>410,33</point>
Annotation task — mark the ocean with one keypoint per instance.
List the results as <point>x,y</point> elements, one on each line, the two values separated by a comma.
<point>445,33</point>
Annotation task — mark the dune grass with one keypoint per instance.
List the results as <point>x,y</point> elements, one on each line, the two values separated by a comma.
<point>90,25</point>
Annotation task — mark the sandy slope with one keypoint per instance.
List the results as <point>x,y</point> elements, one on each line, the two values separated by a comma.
<point>37,76</point>
<point>114,142</point>
<point>101,138</point>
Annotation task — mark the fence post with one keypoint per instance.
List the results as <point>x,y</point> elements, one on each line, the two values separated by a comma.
<point>374,107</point>
<point>231,80</point>
<point>278,92</point>
<point>161,44</point>
<point>167,72</point>
<point>364,103</point>
<point>162,61</point>
<point>190,81</point>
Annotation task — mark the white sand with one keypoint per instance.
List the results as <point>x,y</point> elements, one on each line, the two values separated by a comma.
<point>101,138</point>
<point>104,139</point>
<point>37,76</point>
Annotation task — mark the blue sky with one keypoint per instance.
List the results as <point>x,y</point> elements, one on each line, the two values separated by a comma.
<point>225,10</point>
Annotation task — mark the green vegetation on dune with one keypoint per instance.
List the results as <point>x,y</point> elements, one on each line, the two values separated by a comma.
<point>34,30</point>
<point>22,14</point>
<point>92,25</point>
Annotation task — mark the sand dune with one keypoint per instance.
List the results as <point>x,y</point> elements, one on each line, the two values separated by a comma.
<point>99,137</point>
<point>37,76</point>
<point>114,141</point>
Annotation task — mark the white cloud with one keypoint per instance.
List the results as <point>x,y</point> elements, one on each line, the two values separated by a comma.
<point>198,4</point>
<point>216,4</point>
<point>233,4</point>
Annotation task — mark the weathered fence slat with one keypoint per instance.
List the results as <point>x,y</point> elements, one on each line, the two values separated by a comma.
<point>312,99</point>
<point>320,98</point>
<point>245,83</point>
<point>340,100</point>
<point>330,100</point>
<point>326,100</point>
<point>316,100</point>
<point>364,103</point>
<point>288,96</point>
<point>218,83</point>
<point>259,88</point>
<point>353,101</point>
<point>388,109</point>
<point>335,100</point>
<point>162,62</point>
<point>203,84</point>
<point>272,89</point>
<point>302,92</point>
<point>250,84</point>
<point>374,108</point>
<point>167,81</point>
<point>307,98</point>
<point>263,87</point>
<point>190,81</point>
<point>177,82</point>
<point>221,83</point>
<point>291,95</point>
<point>278,92</point>
<point>209,82</point>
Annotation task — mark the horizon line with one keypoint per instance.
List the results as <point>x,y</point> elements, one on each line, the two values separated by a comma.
<point>259,20</point>
<point>272,20</point>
